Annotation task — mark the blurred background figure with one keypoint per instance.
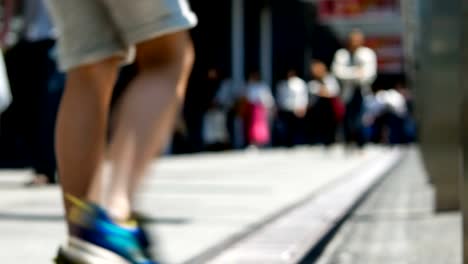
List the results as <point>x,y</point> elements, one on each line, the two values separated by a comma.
<point>388,117</point>
<point>292,100</point>
<point>231,100</point>
<point>5,91</point>
<point>328,110</point>
<point>410,128</point>
<point>393,116</point>
<point>214,130</point>
<point>214,133</point>
<point>200,97</point>
<point>356,67</point>
<point>260,110</point>
<point>36,87</point>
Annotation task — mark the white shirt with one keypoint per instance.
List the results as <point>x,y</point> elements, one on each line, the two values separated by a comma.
<point>292,94</point>
<point>331,86</point>
<point>37,23</point>
<point>361,73</point>
<point>259,92</point>
<point>393,100</point>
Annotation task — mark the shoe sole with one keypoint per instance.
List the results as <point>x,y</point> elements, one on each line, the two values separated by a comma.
<point>81,252</point>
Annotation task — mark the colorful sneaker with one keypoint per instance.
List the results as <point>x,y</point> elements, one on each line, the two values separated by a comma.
<point>97,239</point>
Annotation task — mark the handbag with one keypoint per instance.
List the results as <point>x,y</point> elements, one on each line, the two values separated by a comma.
<point>339,108</point>
<point>258,125</point>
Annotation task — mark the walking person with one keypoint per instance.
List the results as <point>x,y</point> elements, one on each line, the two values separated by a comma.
<point>356,67</point>
<point>292,100</point>
<point>95,38</point>
<point>36,87</point>
<point>230,99</point>
<point>260,107</point>
<point>327,110</point>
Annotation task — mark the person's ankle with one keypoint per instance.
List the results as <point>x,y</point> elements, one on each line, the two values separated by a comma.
<point>119,210</point>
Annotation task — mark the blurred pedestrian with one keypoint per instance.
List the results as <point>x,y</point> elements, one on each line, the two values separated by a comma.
<point>95,38</point>
<point>205,83</point>
<point>328,109</point>
<point>214,124</point>
<point>292,101</point>
<point>389,115</point>
<point>36,87</point>
<point>231,100</point>
<point>214,130</point>
<point>5,91</point>
<point>260,110</point>
<point>410,122</point>
<point>356,68</point>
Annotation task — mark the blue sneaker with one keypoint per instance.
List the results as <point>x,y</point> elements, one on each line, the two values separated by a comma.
<point>97,239</point>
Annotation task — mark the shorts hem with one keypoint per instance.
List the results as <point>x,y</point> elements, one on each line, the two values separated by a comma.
<point>161,27</point>
<point>91,58</point>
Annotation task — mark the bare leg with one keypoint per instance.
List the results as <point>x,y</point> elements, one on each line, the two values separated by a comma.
<point>146,114</point>
<point>82,124</point>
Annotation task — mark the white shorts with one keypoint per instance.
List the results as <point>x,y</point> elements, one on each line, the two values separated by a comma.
<point>92,30</point>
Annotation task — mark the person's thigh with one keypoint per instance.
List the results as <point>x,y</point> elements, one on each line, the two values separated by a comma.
<point>143,20</point>
<point>86,31</point>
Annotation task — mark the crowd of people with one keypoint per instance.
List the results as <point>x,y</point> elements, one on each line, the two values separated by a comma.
<point>336,104</point>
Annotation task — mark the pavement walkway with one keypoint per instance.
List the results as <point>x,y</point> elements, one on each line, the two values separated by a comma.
<point>398,224</point>
<point>194,203</point>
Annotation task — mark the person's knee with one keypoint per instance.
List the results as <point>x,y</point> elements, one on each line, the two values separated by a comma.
<point>97,78</point>
<point>172,54</point>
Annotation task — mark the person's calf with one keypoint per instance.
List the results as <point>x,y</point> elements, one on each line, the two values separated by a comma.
<point>146,115</point>
<point>82,125</point>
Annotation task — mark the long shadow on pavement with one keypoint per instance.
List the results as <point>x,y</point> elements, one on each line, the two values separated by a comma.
<point>25,217</point>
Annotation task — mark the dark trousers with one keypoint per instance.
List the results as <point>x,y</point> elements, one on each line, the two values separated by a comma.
<point>389,128</point>
<point>290,129</point>
<point>36,87</point>
<point>324,122</point>
<point>353,125</point>
<point>397,129</point>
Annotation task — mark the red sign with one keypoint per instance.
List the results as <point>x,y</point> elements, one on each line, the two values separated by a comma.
<point>329,9</point>
<point>389,52</point>
<point>384,13</point>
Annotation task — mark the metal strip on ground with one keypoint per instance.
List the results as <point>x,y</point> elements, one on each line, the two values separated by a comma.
<point>291,236</point>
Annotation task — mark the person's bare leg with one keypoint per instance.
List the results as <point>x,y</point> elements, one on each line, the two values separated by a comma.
<point>82,125</point>
<point>146,114</point>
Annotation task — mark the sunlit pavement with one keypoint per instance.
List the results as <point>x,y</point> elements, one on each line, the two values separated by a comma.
<point>198,205</point>
<point>397,224</point>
